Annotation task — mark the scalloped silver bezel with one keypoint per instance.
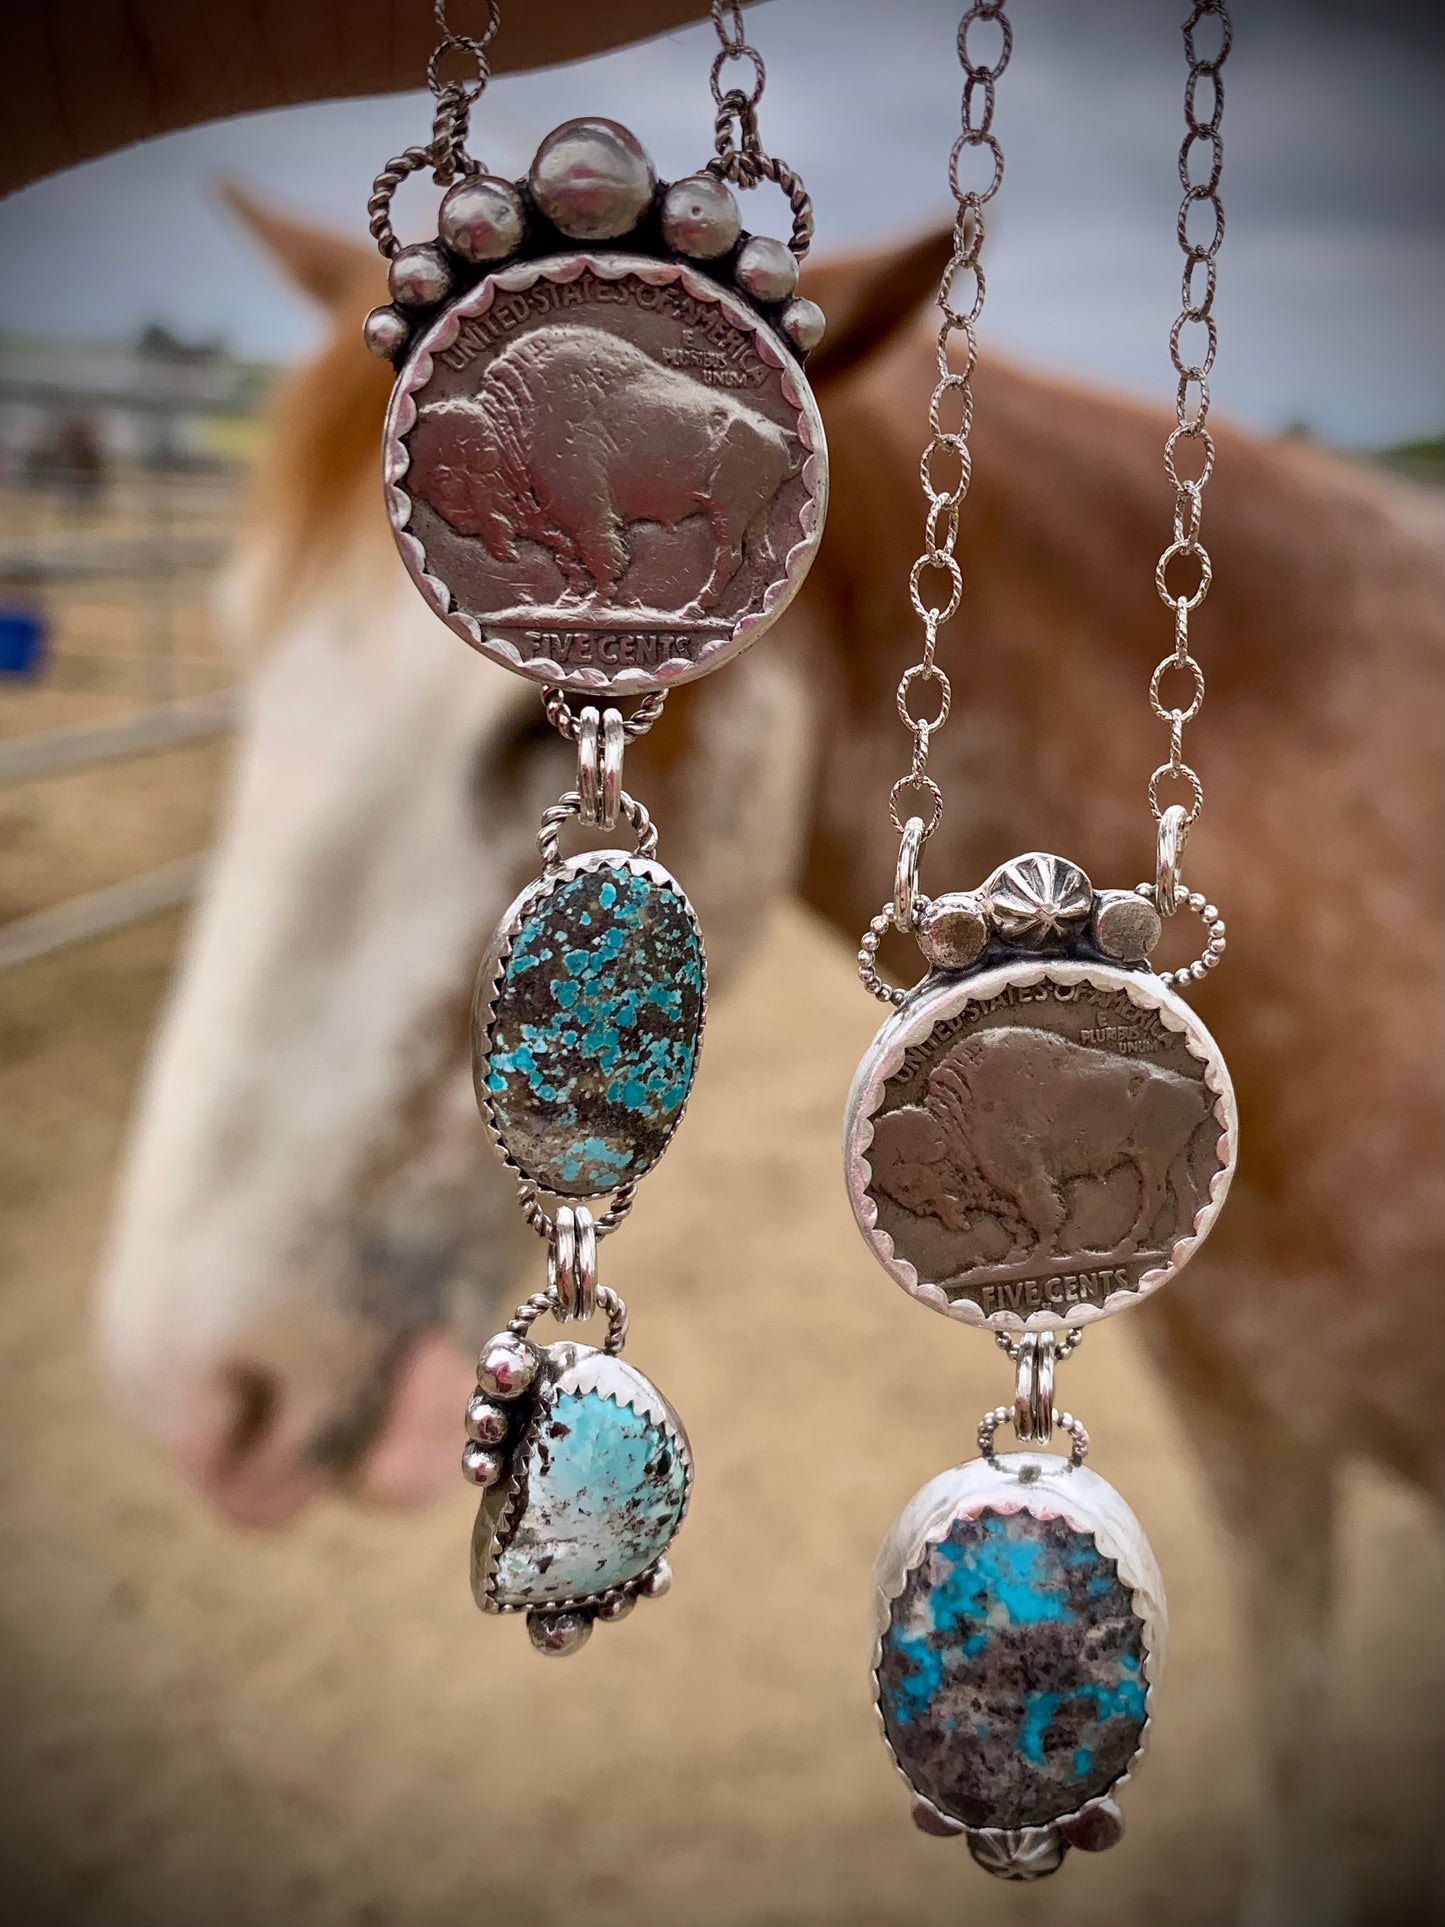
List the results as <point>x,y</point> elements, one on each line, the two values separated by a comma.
<point>401,416</point>
<point>493,967</point>
<point>1046,1486</point>
<point>567,1367</point>
<point>943,996</point>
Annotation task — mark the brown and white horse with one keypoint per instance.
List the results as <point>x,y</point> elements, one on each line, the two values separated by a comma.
<point>312,1233</point>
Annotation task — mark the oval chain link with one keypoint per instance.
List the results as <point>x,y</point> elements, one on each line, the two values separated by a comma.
<point>739,157</point>
<point>935,582</point>
<point>1201,165</point>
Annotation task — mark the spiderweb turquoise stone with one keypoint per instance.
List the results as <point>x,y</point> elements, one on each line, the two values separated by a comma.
<point>605,1492</point>
<point>594,1035</point>
<point>1011,1677</point>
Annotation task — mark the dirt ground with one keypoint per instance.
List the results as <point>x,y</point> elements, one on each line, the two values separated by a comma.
<point>318,1727</point>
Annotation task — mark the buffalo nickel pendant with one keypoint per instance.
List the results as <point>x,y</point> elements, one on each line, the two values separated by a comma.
<point>603,463</point>
<point>1020,1630</point>
<point>1046,1136</point>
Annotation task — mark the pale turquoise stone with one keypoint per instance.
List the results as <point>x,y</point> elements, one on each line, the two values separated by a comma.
<point>605,1493</point>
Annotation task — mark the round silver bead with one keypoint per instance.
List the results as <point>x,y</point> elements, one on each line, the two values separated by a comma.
<point>805,324</point>
<point>766,269</point>
<point>1128,925</point>
<point>658,1582</point>
<point>482,1467</point>
<point>506,1367</point>
<point>385,332</point>
<point>419,277</point>
<point>617,1607</point>
<point>559,1634</point>
<point>700,217</point>
<point>486,1423</point>
<point>592,179</point>
<point>482,219</point>
<point>952,931</point>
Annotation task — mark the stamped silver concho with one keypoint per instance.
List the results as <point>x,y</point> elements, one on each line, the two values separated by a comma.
<point>587,1474</point>
<point>1020,1627</point>
<point>604,466</point>
<point>1046,1135</point>
<point>587,1023</point>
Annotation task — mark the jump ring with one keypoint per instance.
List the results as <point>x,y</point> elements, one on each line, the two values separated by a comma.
<point>1033,1416</point>
<point>1169,854</point>
<point>905,874</point>
<point>572,1263</point>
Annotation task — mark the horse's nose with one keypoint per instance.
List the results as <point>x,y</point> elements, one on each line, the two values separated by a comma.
<point>246,1449</point>
<point>257,1452</point>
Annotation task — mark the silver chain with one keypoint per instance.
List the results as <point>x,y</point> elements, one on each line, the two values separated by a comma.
<point>1201,136</point>
<point>456,98</point>
<point>739,156</point>
<point>935,583</point>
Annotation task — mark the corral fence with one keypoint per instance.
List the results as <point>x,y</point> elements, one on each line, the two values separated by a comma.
<point>119,474</point>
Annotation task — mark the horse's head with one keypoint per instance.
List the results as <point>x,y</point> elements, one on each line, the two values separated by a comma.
<point>313,1232</point>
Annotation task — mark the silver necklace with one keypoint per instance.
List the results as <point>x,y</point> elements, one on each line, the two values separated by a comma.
<point>606,472</point>
<point>1041,1135</point>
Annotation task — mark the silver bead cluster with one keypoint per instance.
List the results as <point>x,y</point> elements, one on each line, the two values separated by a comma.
<point>1214,945</point>
<point>506,1370</point>
<point>1043,904</point>
<point>592,183</point>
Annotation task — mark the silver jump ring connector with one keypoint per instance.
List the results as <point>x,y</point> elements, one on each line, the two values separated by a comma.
<point>1173,834</point>
<point>905,875</point>
<point>600,743</point>
<point>1033,1414</point>
<point>572,1263</point>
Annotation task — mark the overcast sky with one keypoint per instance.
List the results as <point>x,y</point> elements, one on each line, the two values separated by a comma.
<point>1332,276</point>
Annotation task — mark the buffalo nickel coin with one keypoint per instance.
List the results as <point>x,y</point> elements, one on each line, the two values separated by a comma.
<point>605,472</point>
<point>1040,1144</point>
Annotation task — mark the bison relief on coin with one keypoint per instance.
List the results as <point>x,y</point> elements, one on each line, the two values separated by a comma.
<point>1038,1143</point>
<point>604,465</point>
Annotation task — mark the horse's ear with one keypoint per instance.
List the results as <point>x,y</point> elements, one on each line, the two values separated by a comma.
<point>869,297</point>
<point>328,267</point>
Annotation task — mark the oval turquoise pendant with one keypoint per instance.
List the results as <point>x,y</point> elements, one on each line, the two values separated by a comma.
<point>587,1022</point>
<point>1020,1630</point>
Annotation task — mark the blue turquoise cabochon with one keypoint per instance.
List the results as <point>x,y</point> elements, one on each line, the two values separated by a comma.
<point>1015,1657</point>
<point>587,1024</point>
<point>603,1485</point>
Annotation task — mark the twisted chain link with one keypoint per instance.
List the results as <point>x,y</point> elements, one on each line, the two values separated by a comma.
<point>446,152</point>
<point>455,98</point>
<point>539,1220</point>
<point>935,583</point>
<point>613,1309</point>
<point>1201,163</point>
<point>563,718</point>
<point>739,156</point>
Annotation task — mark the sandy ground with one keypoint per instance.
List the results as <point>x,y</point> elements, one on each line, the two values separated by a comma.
<point>318,1728</point>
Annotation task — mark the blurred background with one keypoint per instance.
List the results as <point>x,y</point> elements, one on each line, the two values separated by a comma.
<point>316,1728</point>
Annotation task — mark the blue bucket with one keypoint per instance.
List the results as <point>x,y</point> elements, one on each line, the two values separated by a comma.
<point>22,642</point>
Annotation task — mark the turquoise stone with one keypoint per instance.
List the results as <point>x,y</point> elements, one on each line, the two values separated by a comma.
<point>593,1041</point>
<point>1011,1679</point>
<point>605,1489</point>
